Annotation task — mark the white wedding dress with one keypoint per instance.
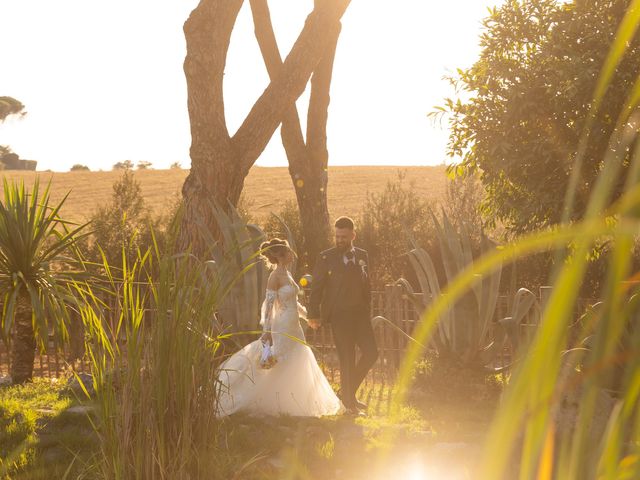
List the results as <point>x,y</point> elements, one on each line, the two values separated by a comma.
<point>294,386</point>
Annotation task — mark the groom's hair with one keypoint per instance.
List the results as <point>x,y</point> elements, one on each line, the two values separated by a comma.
<point>345,222</point>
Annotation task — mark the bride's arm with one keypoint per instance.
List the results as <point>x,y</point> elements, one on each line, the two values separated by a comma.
<point>267,306</point>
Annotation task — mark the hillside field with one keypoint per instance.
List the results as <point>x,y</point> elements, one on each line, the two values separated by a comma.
<point>266,189</point>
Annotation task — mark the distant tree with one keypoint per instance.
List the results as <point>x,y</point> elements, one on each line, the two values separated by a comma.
<point>10,106</point>
<point>143,165</point>
<point>175,166</point>
<point>220,162</point>
<point>78,167</point>
<point>526,101</point>
<point>125,165</point>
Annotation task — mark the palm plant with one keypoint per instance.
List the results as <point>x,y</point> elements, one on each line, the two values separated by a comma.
<point>38,262</point>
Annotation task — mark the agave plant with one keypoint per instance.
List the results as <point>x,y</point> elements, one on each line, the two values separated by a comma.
<point>466,331</point>
<point>38,262</point>
<point>239,252</point>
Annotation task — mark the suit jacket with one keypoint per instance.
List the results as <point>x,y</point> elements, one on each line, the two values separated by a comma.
<point>327,282</point>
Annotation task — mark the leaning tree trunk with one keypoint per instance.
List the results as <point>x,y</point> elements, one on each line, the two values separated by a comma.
<point>220,163</point>
<point>23,344</point>
<point>307,162</point>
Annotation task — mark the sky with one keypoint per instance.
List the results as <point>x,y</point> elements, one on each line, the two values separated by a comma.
<point>102,82</point>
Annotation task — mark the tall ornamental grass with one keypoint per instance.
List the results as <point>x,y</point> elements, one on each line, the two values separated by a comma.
<point>572,368</point>
<point>155,369</point>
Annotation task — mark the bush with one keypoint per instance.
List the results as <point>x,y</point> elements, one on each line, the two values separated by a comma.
<point>125,223</point>
<point>290,215</point>
<point>384,226</point>
<point>79,168</point>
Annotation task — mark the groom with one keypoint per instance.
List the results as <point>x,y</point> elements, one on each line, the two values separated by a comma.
<point>341,296</point>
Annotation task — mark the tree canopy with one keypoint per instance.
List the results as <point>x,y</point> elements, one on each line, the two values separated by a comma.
<point>524,104</point>
<point>10,106</point>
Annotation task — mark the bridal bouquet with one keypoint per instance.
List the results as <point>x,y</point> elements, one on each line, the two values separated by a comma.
<point>267,359</point>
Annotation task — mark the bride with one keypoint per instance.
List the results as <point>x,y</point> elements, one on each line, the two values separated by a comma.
<point>277,374</point>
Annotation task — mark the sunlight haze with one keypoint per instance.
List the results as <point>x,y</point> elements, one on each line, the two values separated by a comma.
<point>103,82</point>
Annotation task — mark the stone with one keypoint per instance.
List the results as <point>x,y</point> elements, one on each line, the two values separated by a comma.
<point>75,388</point>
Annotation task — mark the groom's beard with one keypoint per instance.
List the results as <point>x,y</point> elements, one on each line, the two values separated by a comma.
<point>344,247</point>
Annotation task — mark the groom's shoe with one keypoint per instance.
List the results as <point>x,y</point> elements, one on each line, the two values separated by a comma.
<point>361,405</point>
<point>356,404</point>
<point>354,412</point>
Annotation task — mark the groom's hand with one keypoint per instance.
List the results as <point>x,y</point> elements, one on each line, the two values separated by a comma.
<point>314,323</point>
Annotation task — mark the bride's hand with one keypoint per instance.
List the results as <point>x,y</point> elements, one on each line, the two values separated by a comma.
<point>313,323</point>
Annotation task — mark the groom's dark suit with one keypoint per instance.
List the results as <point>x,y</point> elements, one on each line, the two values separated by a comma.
<point>341,296</point>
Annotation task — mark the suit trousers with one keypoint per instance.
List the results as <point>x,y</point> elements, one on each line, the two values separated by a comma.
<point>353,328</point>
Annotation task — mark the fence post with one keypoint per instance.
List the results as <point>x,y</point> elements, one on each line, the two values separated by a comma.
<point>392,309</point>
<point>545,295</point>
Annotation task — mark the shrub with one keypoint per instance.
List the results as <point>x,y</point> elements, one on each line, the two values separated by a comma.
<point>79,168</point>
<point>382,228</point>
<point>126,222</point>
<point>290,215</point>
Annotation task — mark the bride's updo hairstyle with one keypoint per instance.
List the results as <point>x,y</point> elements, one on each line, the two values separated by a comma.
<point>274,249</point>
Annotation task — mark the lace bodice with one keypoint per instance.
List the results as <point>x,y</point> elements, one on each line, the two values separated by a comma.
<point>288,296</point>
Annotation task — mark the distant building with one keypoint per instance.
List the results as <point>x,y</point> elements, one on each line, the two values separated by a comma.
<point>11,161</point>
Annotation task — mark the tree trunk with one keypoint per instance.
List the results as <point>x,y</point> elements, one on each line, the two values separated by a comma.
<point>23,345</point>
<point>220,163</point>
<point>307,162</point>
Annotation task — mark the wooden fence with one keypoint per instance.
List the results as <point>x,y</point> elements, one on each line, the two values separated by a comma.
<point>393,334</point>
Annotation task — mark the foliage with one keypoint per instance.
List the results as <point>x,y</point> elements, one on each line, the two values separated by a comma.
<point>39,261</point>
<point>286,224</point>
<point>527,100</point>
<point>10,106</point>
<point>143,165</point>
<point>79,168</point>
<point>124,165</point>
<point>464,331</point>
<point>237,263</point>
<point>381,228</point>
<point>556,420</point>
<point>156,389</point>
<point>461,204</point>
<point>175,166</point>
<point>123,225</point>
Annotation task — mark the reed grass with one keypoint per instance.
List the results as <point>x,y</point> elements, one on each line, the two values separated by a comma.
<point>155,370</point>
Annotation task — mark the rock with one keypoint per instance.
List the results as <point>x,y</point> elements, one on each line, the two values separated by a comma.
<point>75,388</point>
<point>80,410</point>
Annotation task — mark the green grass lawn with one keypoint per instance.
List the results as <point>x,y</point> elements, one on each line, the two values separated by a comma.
<point>42,436</point>
<point>438,435</point>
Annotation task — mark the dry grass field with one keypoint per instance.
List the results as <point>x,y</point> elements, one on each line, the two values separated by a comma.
<point>266,189</point>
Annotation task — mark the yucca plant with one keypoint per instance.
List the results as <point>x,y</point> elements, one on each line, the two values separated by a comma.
<point>38,262</point>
